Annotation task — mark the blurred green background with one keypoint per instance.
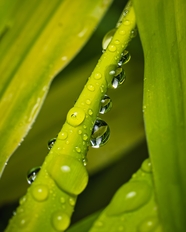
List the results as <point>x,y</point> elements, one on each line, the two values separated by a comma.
<point>109,166</point>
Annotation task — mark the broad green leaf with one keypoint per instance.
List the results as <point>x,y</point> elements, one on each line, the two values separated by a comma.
<point>40,40</point>
<point>63,175</point>
<point>163,35</point>
<point>133,207</point>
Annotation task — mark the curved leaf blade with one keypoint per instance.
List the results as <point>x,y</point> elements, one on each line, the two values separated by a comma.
<point>162,31</point>
<point>42,40</point>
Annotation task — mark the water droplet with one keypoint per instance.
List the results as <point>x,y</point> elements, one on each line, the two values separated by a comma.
<point>100,133</point>
<point>112,48</point>
<point>60,220</point>
<point>117,41</point>
<point>149,224</point>
<point>84,161</point>
<point>22,200</point>
<point>65,168</point>
<point>62,135</point>
<point>32,174</point>
<point>84,126</point>
<point>121,228</point>
<point>88,101</point>
<point>72,201</point>
<point>90,112</point>
<point>78,149</point>
<point>97,76</point>
<point>91,88</point>
<point>146,166</point>
<point>22,222</point>
<point>98,223</point>
<point>106,104</point>
<point>133,33</point>
<point>129,197</point>
<point>125,57</point>
<point>75,116</point>
<point>85,137</point>
<point>40,192</point>
<point>122,32</point>
<point>119,78</point>
<point>51,143</point>
<point>107,38</point>
<point>126,22</point>
<point>62,200</point>
<point>79,132</point>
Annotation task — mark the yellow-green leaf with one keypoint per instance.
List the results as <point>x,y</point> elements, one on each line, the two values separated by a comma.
<point>40,40</point>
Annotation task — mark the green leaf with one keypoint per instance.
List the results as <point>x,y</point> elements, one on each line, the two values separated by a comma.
<point>133,207</point>
<point>163,35</point>
<point>41,39</point>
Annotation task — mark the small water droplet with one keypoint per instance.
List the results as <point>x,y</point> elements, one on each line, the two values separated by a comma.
<point>112,48</point>
<point>100,133</point>
<point>22,200</point>
<point>32,174</point>
<point>22,222</point>
<point>122,32</point>
<point>117,41</point>
<point>146,166</point>
<point>97,76</point>
<point>88,101</point>
<point>129,197</point>
<point>91,88</point>
<point>106,104</point>
<point>62,200</point>
<point>79,132</point>
<point>98,223</point>
<point>126,22</point>
<point>60,220</point>
<point>119,78</point>
<point>78,149</point>
<point>125,58</point>
<point>66,167</point>
<point>75,116</point>
<point>40,192</point>
<point>84,161</point>
<point>51,143</point>
<point>85,137</point>
<point>149,224</point>
<point>121,228</point>
<point>84,126</point>
<point>90,112</point>
<point>133,33</point>
<point>72,201</point>
<point>107,38</point>
<point>62,135</point>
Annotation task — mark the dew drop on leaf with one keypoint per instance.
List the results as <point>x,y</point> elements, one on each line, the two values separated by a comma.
<point>32,174</point>
<point>119,78</point>
<point>51,143</point>
<point>72,201</point>
<point>91,88</point>
<point>40,192</point>
<point>112,48</point>
<point>69,174</point>
<point>146,166</point>
<point>60,220</point>
<point>129,197</point>
<point>107,38</point>
<point>149,224</point>
<point>97,76</point>
<point>100,134</point>
<point>62,135</point>
<point>75,116</point>
<point>106,104</point>
<point>125,58</point>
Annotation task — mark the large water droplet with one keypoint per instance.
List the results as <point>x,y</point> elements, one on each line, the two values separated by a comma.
<point>75,116</point>
<point>146,166</point>
<point>149,224</point>
<point>106,104</point>
<point>40,192</point>
<point>62,135</point>
<point>60,220</point>
<point>107,38</point>
<point>119,78</point>
<point>32,174</point>
<point>51,143</point>
<point>125,57</point>
<point>69,174</point>
<point>100,133</point>
<point>129,197</point>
